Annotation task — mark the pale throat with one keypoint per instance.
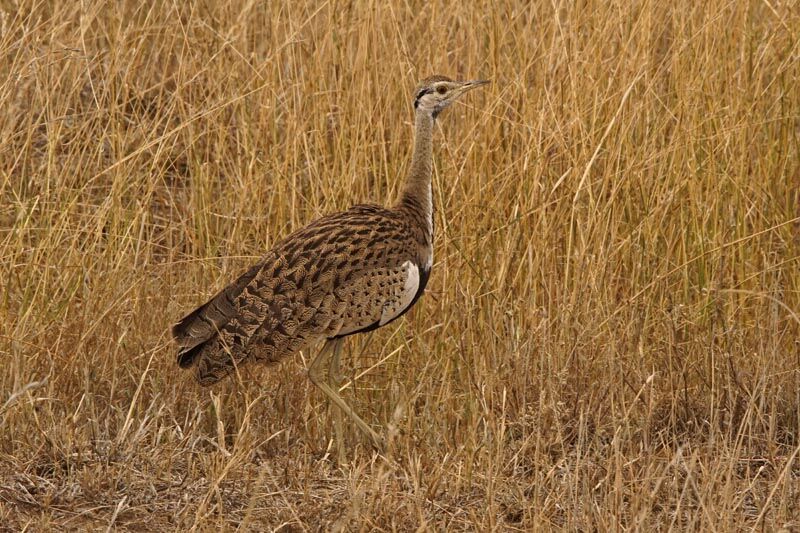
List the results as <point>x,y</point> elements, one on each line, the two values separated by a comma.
<point>416,198</point>
<point>417,194</point>
<point>423,148</point>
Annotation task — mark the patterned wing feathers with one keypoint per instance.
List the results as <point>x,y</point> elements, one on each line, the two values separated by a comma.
<point>330,278</point>
<point>204,322</point>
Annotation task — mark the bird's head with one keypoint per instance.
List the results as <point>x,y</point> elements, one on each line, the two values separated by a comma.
<point>437,92</point>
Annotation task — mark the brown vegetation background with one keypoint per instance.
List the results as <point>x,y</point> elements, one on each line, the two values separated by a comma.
<point>610,340</point>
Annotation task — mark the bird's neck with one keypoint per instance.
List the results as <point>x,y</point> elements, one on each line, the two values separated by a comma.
<point>417,197</point>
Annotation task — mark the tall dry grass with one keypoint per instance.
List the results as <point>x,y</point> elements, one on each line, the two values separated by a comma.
<point>610,337</point>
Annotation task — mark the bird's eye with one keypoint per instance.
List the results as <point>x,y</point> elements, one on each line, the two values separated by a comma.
<point>441,89</point>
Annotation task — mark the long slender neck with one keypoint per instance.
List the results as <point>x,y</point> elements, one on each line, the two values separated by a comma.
<point>417,197</point>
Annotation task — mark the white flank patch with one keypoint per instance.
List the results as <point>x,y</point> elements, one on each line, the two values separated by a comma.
<point>409,290</point>
<point>429,262</point>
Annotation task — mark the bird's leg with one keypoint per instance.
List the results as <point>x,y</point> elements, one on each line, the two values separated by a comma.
<point>315,373</point>
<point>335,379</point>
<point>334,374</point>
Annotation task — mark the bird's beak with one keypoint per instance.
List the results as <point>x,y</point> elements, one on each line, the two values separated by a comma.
<point>469,85</point>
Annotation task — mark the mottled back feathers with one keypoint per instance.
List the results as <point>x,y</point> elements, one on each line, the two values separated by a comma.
<point>339,275</point>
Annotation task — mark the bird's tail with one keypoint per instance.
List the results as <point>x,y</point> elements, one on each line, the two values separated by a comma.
<point>198,332</point>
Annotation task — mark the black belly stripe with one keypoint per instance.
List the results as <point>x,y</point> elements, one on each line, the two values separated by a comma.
<point>423,281</point>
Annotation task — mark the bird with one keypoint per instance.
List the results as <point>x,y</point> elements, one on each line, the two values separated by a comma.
<point>344,273</point>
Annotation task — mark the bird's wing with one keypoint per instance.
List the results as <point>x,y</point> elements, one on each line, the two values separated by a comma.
<point>300,292</point>
<point>379,296</point>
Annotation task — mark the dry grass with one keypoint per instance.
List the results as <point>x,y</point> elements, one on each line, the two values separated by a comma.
<point>610,339</point>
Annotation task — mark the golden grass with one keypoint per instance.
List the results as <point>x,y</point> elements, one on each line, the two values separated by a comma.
<point>610,338</point>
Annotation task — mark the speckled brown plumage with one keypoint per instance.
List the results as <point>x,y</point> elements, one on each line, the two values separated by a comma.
<point>334,277</point>
<point>342,274</point>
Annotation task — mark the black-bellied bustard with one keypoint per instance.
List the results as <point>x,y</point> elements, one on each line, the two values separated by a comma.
<point>345,273</point>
